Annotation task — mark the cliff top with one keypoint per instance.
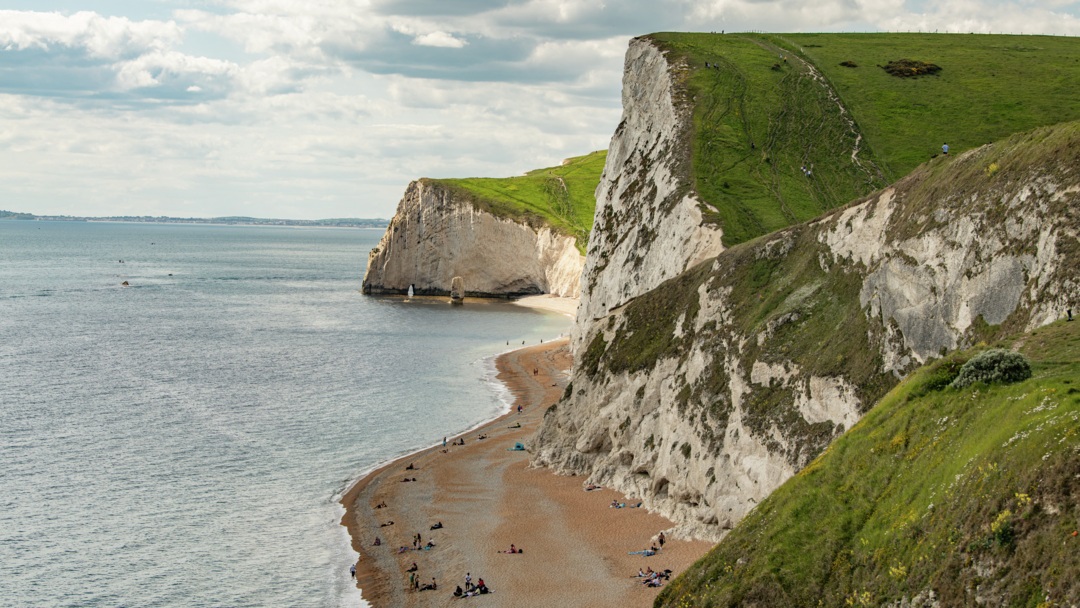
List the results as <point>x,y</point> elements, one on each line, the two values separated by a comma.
<point>562,197</point>
<point>786,127</point>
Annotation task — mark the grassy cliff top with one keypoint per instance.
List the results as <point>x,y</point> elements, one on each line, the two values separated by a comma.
<point>562,197</point>
<point>767,106</point>
<point>963,492</point>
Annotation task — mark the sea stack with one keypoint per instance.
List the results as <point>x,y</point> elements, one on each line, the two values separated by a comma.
<point>457,290</point>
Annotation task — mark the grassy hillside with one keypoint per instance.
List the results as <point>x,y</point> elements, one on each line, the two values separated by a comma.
<point>964,493</point>
<point>989,86</point>
<point>766,106</point>
<point>562,197</point>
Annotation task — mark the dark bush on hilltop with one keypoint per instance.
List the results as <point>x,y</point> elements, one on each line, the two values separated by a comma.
<point>995,365</point>
<point>910,68</point>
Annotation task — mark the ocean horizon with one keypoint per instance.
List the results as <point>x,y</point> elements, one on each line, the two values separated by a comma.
<point>185,440</point>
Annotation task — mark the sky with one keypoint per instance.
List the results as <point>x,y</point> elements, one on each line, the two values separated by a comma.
<point>313,109</point>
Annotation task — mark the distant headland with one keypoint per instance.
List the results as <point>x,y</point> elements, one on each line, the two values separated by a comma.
<point>340,222</point>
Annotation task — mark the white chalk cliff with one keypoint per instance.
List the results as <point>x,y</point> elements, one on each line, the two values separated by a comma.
<point>648,225</point>
<point>700,388</point>
<point>436,235</point>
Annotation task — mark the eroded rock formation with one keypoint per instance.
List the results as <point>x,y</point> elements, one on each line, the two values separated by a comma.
<point>435,236</point>
<point>700,391</point>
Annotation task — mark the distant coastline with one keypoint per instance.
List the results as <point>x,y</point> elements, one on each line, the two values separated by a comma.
<point>346,222</point>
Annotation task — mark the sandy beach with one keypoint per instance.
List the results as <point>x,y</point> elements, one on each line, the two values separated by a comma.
<point>576,547</point>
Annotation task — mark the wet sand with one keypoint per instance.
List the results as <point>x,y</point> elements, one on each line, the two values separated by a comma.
<point>575,545</point>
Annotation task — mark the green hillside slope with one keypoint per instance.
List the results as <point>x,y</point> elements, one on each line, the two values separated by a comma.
<point>768,107</point>
<point>562,197</point>
<point>968,496</point>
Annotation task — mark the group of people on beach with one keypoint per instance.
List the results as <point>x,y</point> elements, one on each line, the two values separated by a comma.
<point>651,578</point>
<point>470,590</point>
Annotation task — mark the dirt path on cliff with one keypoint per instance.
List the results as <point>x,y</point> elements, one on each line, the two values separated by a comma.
<point>576,548</point>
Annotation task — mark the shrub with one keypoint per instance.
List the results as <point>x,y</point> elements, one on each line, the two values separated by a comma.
<point>995,365</point>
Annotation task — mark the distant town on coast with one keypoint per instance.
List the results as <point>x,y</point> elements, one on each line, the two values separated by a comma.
<point>341,222</point>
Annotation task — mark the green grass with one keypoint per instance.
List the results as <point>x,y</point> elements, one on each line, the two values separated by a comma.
<point>989,87</point>
<point>561,197</point>
<point>759,118</point>
<point>936,488</point>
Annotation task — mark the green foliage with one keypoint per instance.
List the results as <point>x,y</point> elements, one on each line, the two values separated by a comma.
<point>758,120</point>
<point>649,332</point>
<point>940,490</point>
<point>936,376</point>
<point>993,366</point>
<point>989,87</point>
<point>562,197</point>
<point>760,115</point>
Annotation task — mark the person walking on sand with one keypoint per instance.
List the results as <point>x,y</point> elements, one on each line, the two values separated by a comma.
<point>661,540</point>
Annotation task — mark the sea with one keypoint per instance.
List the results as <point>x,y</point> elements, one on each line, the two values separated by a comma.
<point>185,440</point>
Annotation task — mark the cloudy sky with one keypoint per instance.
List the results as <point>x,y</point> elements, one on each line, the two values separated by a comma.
<point>328,108</point>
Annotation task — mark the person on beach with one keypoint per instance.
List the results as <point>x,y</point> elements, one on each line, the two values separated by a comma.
<point>436,526</point>
<point>945,149</point>
<point>414,568</point>
<point>468,581</point>
<point>352,570</point>
<point>444,442</point>
<point>661,540</point>
<point>378,541</point>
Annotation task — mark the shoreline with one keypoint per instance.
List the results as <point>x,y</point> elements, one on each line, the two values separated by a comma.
<point>487,498</point>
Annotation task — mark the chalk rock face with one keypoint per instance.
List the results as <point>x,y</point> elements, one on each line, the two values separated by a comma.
<point>648,225</point>
<point>435,236</point>
<point>703,393</point>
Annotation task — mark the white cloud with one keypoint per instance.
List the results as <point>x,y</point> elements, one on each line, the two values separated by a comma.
<point>249,106</point>
<point>97,36</point>
<point>439,39</point>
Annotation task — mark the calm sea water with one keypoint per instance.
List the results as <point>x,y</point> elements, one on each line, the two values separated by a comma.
<point>184,441</point>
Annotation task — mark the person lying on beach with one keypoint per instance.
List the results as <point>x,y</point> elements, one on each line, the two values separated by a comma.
<point>615,504</point>
<point>414,568</point>
<point>482,437</point>
<point>432,587</point>
<point>437,525</point>
<point>429,545</point>
<point>389,523</point>
<point>515,426</point>
<point>411,467</point>
<point>513,549</point>
<point>645,552</point>
<point>381,505</point>
<point>591,487</point>
<point>406,480</point>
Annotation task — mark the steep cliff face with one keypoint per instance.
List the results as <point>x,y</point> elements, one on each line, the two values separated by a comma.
<point>435,236</point>
<point>648,225</point>
<point>705,393</point>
